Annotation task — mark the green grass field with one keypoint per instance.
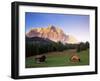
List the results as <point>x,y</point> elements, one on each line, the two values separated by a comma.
<point>55,59</point>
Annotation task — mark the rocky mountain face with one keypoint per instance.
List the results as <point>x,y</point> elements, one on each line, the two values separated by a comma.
<point>51,32</point>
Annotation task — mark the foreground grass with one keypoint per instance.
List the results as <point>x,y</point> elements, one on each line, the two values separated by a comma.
<point>55,59</point>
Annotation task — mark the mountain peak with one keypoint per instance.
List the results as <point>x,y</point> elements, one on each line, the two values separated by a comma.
<point>51,27</point>
<point>51,32</point>
<point>54,28</point>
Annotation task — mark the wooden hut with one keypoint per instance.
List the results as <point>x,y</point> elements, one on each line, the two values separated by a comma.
<point>75,58</point>
<point>40,58</point>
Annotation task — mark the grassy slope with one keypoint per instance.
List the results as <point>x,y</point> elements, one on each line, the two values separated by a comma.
<point>59,59</point>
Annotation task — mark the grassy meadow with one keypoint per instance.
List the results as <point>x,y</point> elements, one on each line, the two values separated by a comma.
<point>55,59</point>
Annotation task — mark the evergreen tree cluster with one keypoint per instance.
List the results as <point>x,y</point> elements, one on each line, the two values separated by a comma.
<point>40,47</point>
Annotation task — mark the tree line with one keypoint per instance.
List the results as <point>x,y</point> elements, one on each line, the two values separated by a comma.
<point>36,48</point>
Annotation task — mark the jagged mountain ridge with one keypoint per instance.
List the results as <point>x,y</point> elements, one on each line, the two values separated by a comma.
<point>51,32</point>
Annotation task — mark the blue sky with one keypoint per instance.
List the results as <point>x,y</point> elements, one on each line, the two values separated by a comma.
<point>75,25</point>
